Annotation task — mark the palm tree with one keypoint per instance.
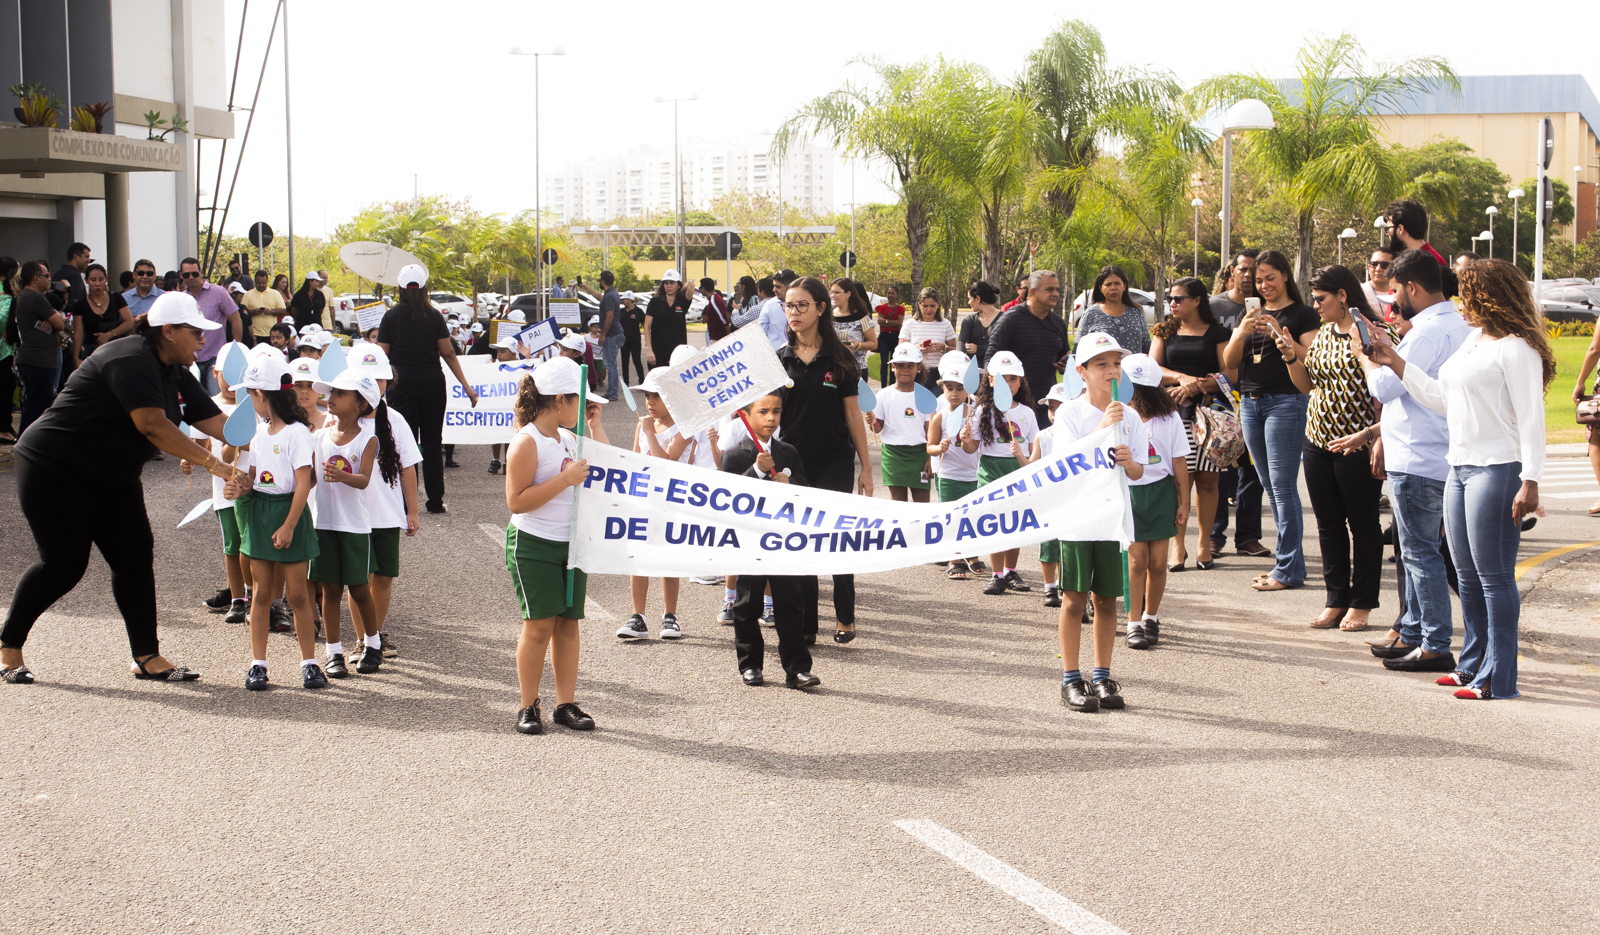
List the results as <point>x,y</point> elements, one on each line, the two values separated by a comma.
<point>1326,146</point>
<point>1073,87</point>
<point>891,118</point>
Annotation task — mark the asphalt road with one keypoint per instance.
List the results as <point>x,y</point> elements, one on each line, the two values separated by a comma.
<point>1264,777</point>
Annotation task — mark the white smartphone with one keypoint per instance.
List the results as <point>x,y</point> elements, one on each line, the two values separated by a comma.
<point>1252,304</point>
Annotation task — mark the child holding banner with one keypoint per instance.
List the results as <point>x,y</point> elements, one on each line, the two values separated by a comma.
<point>656,436</point>
<point>1003,440</point>
<point>235,598</point>
<point>1094,567</point>
<point>948,429</point>
<point>903,454</point>
<point>275,526</point>
<point>540,474</point>
<point>766,457</point>
<point>1158,511</point>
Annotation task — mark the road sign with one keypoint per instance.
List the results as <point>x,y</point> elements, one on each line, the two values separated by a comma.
<point>847,259</point>
<point>729,244</point>
<point>260,235</point>
<point>550,256</point>
<point>1547,139</point>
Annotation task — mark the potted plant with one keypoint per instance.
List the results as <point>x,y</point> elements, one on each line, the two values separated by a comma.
<point>39,108</point>
<point>90,118</point>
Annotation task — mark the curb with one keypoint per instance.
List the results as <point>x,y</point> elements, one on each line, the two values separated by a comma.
<point>1530,571</point>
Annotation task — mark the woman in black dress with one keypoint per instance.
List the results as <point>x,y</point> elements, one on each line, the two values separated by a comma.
<point>822,420</point>
<point>974,338</point>
<point>100,316</point>
<point>666,320</point>
<point>632,322</point>
<point>1188,346</point>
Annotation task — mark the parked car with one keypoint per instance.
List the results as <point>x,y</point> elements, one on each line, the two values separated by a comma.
<point>447,302</point>
<point>344,309</point>
<point>1570,303</point>
<point>529,303</point>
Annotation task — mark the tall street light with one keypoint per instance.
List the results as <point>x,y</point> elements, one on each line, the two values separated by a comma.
<point>677,174</point>
<point>1195,204</point>
<point>1515,195</point>
<point>1346,234</point>
<point>538,181</point>
<point>1491,211</point>
<point>1248,114</point>
<point>1577,179</point>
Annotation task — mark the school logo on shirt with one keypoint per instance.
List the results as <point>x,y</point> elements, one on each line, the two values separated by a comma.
<point>1152,457</point>
<point>911,412</point>
<point>275,449</point>
<point>1016,430</point>
<point>564,463</point>
<point>827,379</point>
<point>341,463</point>
<point>266,480</point>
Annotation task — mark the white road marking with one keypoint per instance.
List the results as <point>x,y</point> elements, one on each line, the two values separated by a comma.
<point>591,607</point>
<point>1030,892</point>
<point>1581,495</point>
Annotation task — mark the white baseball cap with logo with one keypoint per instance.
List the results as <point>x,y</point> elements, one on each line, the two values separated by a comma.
<point>236,286</point>
<point>559,376</point>
<point>906,353</point>
<point>267,373</point>
<point>370,360</point>
<point>353,380</point>
<point>517,316</point>
<point>574,341</point>
<point>682,353</point>
<point>952,366</point>
<point>1142,369</point>
<point>1057,394</point>
<point>178,308</point>
<point>263,349</point>
<point>1006,364</point>
<point>671,275</point>
<point>413,276</point>
<point>1093,345</point>
<point>303,369</point>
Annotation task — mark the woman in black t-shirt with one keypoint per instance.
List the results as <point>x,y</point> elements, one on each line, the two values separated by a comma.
<point>1188,346</point>
<point>1270,338</point>
<point>666,320</point>
<point>100,316</point>
<point>632,321</point>
<point>974,339</point>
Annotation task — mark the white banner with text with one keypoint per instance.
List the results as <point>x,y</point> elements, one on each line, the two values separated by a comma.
<point>720,379</point>
<point>494,420</point>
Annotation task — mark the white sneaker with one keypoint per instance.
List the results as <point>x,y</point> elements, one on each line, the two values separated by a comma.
<point>726,617</point>
<point>769,618</point>
<point>708,579</point>
<point>669,627</point>
<point>634,629</point>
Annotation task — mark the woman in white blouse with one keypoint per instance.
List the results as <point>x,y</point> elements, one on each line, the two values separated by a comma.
<point>1492,394</point>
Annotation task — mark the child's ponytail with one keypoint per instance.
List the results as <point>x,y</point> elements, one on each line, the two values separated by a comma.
<point>388,455</point>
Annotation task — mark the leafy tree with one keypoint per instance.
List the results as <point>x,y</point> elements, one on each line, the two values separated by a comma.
<point>1562,213</point>
<point>1473,184</point>
<point>1325,149</point>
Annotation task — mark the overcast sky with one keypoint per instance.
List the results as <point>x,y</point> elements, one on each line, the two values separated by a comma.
<point>382,92</point>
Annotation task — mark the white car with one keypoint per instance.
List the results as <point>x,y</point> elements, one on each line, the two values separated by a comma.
<point>448,302</point>
<point>344,309</point>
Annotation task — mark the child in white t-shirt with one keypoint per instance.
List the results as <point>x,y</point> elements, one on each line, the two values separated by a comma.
<point>903,430</point>
<point>657,436</point>
<point>1001,441</point>
<point>955,467</point>
<point>1159,510</point>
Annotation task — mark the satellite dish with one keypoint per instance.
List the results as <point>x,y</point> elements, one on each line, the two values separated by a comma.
<point>379,262</point>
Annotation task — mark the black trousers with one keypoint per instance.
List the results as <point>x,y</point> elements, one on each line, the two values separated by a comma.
<point>67,515</point>
<point>1242,486</point>
<point>1344,497</point>
<point>8,390</point>
<point>841,476</point>
<point>632,350</point>
<point>422,402</point>
<point>747,642</point>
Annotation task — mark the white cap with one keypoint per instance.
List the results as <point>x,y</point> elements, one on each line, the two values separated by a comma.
<point>413,275</point>
<point>1006,364</point>
<point>627,297</point>
<point>906,353</point>
<point>1142,369</point>
<point>509,344</point>
<point>178,308</point>
<point>952,367</point>
<point>235,286</point>
<point>222,355</point>
<point>264,349</point>
<point>304,369</point>
<point>671,275</point>
<point>558,376</point>
<point>477,327</point>
<point>313,277</point>
<point>355,381</point>
<point>517,316</point>
<point>292,333</point>
<point>370,360</point>
<point>1058,393</point>
<point>682,353</point>
<point>652,381</point>
<point>574,341</point>
<point>312,328</point>
<point>1093,345</point>
<point>266,373</point>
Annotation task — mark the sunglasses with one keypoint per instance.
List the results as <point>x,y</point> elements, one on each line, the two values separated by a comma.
<point>144,272</point>
<point>188,275</point>
<point>1175,299</point>
<point>1378,264</point>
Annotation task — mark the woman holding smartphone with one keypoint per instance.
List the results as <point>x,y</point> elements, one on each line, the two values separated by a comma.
<point>1273,337</point>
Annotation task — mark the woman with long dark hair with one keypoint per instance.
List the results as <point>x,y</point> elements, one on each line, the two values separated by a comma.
<point>822,420</point>
<point>1272,338</point>
<point>666,320</point>
<point>852,319</point>
<point>1188,345</point>
<point>100,316</point>
<point>929,332</point>
<point>415,337</point>
<point>308,304</point>
<point>1112,312</point>
<point>1492,392</point>
<point>974,337</point>
<point>746,304</point>
<point>1341,477</point>
<point>280,285</point>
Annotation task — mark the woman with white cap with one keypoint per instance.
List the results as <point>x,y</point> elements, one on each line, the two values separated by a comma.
<point>77,477</point>
<point>666,319</point>
<point>541,471</point>
<point>415,338</point>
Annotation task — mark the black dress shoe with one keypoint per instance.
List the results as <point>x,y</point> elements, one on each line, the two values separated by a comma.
<point>572,717</point>
<point>1109,691</point>
<point>996,585</point>
<point>1394,651</point>
<point>1136,637</point>
<point>1416,662</point>
<point>801,680</point>
<point>311,677</point>
<point>752,677</point>
<point>528,720</point>
<point>843,636</point>
<point>1076,697</point>
<point>1052,596</point>
<point>1152,630</point>
<point>371,660</point>
<point>336,668</point>
<point>1255,548</point>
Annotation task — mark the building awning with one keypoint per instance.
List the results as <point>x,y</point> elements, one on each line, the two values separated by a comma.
<point>692,236</point>
<point>35,150</point>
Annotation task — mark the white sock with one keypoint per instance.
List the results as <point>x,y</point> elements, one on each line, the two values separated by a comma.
<point>374,642</point>
<point>259,662</point>
<point>307,662</point>
<point>766,602</point>
<point>335,649</point>
<point>728,594</point>
<point>1152,618</point>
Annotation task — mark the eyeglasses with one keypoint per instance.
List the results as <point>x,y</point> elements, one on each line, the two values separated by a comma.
<point>189,275</point>
<point>144,272</point>
<point>1379,264</point>
<point>1175,299</point>
<point>796,306</point>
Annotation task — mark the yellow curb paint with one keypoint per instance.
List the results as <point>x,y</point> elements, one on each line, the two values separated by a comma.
<point>1530,564</point>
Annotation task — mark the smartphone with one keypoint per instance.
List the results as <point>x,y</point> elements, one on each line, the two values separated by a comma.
<point>1366,335</point>
<point>1252,304</point>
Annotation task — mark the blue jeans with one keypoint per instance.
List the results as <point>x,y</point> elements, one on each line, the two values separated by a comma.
<point>38,391</point>
<point>1418,515</point>
<point>611,352</point>
<point>208,376</point>
<point>1483,540</point>
<point>1274,431</point>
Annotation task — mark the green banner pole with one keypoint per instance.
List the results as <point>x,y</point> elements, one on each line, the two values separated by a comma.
<point>583,413</point>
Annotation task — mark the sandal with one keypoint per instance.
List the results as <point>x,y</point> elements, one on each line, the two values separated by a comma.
<point>1270,584</point>
<point>1320,624</point>
<point>957,571</point>
<point>978,567</point>
<point>1345,626</point>
<point>17,676</point>
<point>174,674</point>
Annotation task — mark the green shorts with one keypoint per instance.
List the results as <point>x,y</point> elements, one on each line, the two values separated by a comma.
<point>230,531</point>
<point>953,490</point>
<point>1093,567</point>
<point>262,514</point>
<point>991,469</point>
<point>1050,552</point>
<point>386,552</point>
<point>902,465</point>
<point>1155,510</point>
<point>539,574</point>
<point>342,558</point>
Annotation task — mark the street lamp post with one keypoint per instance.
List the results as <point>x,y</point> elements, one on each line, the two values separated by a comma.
<point>1577,179</point>
<point>1247,114</point>
<point>538,181</point>
<point>1516,195</point>
<point>677,173</point>
<point>1346,234</point>
<point>1491,211</point>
<point>1195,204</point>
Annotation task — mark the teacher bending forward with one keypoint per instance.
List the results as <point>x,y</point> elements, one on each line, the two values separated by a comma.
<point>823,422</point>
<point>78,477</point>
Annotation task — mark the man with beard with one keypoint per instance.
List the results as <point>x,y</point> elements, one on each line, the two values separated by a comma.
<point>1407,221</point>
<point>1238,485</point>
<point>1414,441</point>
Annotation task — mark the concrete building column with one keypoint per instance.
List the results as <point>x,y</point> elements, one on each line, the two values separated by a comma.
<point>117,258</point>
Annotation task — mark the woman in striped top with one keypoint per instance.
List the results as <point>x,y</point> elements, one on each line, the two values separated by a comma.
<point>930,333</point>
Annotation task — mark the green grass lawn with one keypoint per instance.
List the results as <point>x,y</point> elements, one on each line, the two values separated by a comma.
<point>1558,419</point>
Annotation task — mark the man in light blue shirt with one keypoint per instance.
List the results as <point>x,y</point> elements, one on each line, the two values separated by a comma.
<point>1415,441</point>
<point>144,291</point>
<point>773,320</point>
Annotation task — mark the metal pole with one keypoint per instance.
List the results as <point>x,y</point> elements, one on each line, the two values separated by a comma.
<point>1514,204</point>
<point>1540,220</point>
<point>849,269</point>
<point>677,195</point>
<point>288,147</point>
<point>1197,240</point>
<point>1227,194</point>
<point>538,215</point>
